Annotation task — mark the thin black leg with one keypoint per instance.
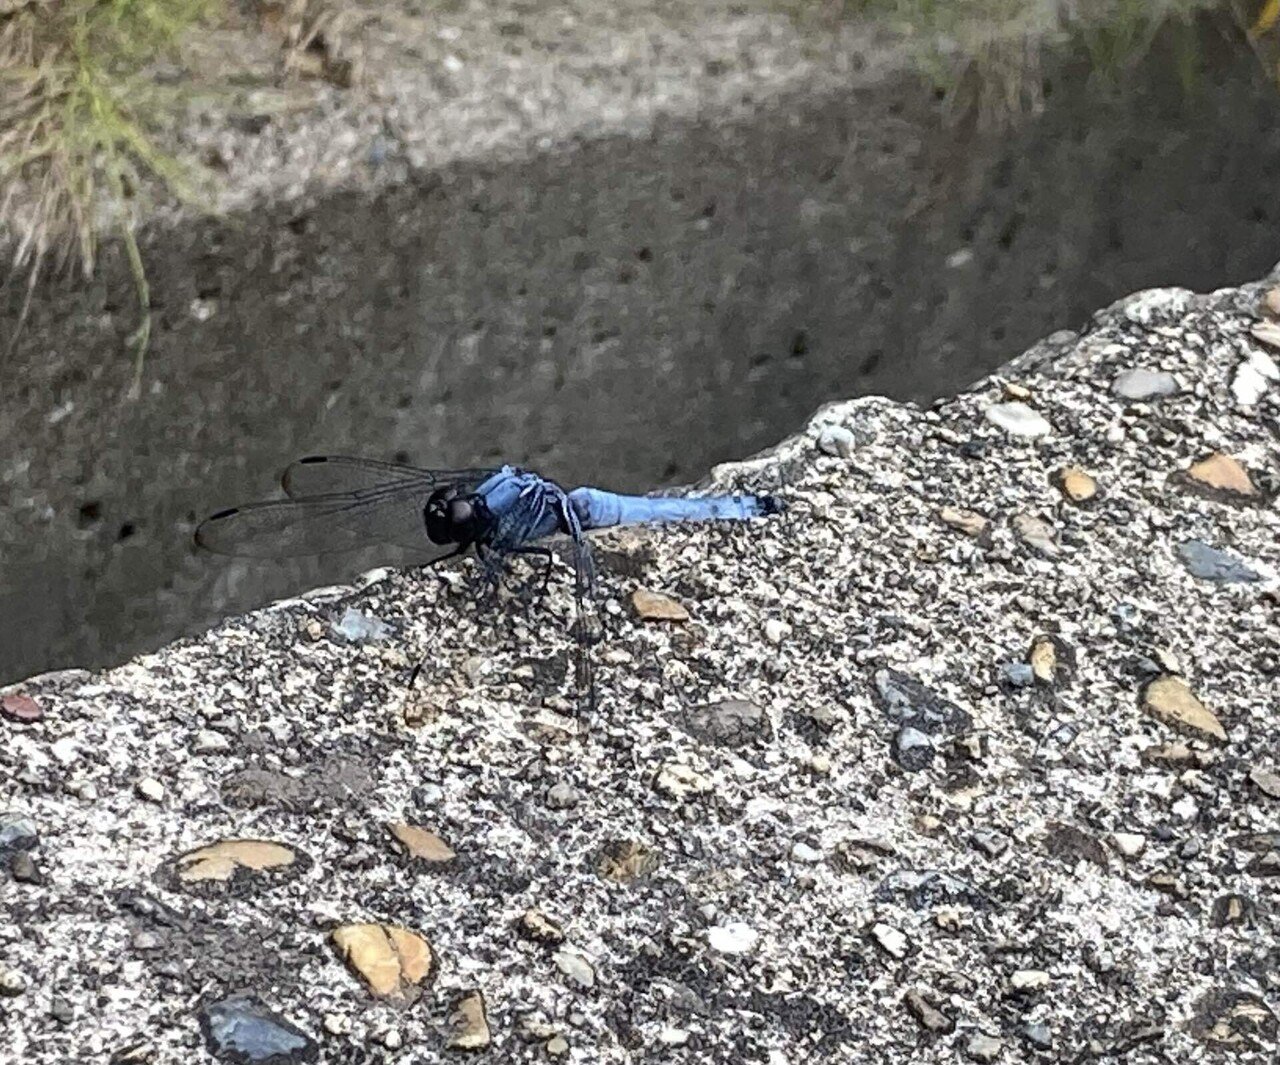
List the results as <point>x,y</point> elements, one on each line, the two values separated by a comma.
<point>543,553</point>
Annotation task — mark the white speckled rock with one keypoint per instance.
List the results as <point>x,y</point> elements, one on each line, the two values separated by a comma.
<point>1018,419</point>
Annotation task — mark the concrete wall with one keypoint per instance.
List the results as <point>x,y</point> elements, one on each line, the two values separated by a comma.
<point>625,311</point>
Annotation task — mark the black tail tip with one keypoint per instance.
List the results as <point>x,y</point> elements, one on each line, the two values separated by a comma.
<point>771,505</point>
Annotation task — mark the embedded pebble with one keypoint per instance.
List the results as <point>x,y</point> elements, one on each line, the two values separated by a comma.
<point>983,1047</point>
<point>929,1016</point>
<point>654,606</point>
<point>1211,564</point>
<point>1223,473</point>
<point>209,742</point>
<point>224,860</point>
<point>1017,419</point>
<point>576,968</point>
<point>1266,333</point>
<point>18,707</point>
<point>731,723</point>
<point>242,1029</point>
<point>1170,700</point>
<point>1141,385</point>
<point>470,1023</point>
<point>1130,844</point>
<point>150,789</point>
<point>1075,484</point>
<point>390,960</point>
<point>1037,533</point>
<point>776,631</point>
<point>889,939</point>
<point>17,831</point>
<point>361,628</point>
<point>536,925</point>
<point>12,983</point>
<point>968,522</point>
<point>736,937</point>
<point>1029,980</point>
<point>422,843</point>
<point>1266,781</point>
<point>837,441</point>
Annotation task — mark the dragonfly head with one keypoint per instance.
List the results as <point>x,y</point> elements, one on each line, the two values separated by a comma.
<point>455,517</point>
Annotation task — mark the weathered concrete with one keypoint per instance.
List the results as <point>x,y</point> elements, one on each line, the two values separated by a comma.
<point>626,279</point>
<point>1008,789</point>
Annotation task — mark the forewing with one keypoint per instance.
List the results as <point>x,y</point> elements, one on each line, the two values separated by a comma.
<point>318,475</point>
<point>389,512</point>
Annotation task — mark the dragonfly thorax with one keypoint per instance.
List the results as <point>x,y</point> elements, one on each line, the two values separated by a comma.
<point>455,517</point>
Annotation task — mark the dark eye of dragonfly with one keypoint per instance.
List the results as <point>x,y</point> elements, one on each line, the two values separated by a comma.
<point>453,519</point>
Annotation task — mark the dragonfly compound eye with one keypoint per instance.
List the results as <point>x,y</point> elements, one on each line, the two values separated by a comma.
<point>460,513</point>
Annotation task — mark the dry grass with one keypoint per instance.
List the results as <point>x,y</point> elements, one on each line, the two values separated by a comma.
<point>75,119</point>
<point>986,54</point>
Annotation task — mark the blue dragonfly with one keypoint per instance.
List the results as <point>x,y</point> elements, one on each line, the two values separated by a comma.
<point>338,503</point>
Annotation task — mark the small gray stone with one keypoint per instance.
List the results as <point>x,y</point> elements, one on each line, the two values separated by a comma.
<point>241,1029</point>
<point>984,1047</point>
<point>11,983</point>
<point>912,749</point>
<point>61,1011</point>
<point>1038,1035</point>
<point>836,440</point>
<point>17,832</point>
<point>732,723</point>
<point>1211,564</point>
<point>24,868</point>
<point>1141,384</point>
<point>576,968</point>
<point>361,628</point>
<point>562,796</point>
<point>1017,674</point>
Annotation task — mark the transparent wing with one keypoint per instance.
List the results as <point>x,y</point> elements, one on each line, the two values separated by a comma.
<point>318,475</point>
<point>386,511</point>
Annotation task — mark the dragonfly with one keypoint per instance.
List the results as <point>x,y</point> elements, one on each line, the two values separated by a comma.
<point>339,503</point>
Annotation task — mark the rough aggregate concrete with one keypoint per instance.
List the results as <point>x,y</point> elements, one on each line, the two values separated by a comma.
<point>1063,876</point>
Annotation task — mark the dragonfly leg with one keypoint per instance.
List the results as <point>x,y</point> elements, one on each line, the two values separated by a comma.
<point>543,553</point>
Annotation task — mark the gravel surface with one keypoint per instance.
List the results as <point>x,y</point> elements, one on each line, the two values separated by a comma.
<point>967,757</point>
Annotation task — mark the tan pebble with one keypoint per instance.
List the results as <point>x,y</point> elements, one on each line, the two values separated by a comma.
<point>1170,700</point>
<point>1265,781</point>
<point>1043,659</point>
<point>536,925</point>
<point>557,1046</point>
<point>1267,333</point>
<point>220,861</point>
<point>1013,390</point>
<point>1271,302</point>
<point>966,521</point>
<point>470,1023</point>
<point>422,844</point>
<point>1223,473</point>
<point>654,606</point>
<point>391,960</point>
<point>1075,484</point>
